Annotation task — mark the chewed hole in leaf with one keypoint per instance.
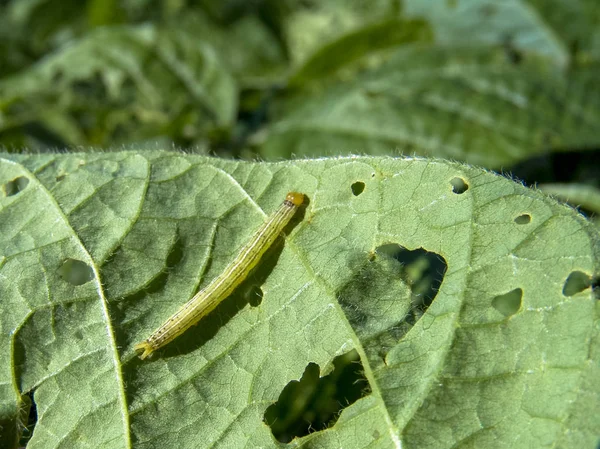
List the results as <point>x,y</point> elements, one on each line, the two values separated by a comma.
<point>509,303</point>
<point>523,219</point>
<point>254,295</point>
<point>422,270</point>
<point>391,290</point>
<point>314,403</point>
<point>76,272</point>
<point>15,186</point>
<point>27,418</point>
<point>357,188</point>
<point>576,283</point>
<point>459,185</point>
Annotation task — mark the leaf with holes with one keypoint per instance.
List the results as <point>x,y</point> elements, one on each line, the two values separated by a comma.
<point>414,303</point>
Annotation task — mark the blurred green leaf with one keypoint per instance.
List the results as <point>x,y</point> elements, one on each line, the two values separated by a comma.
<point>123,84</point>
<point>360,44</point>
<point>247,47</point>
<point>576,23</point>
<point>487,22</point>
<point>309,28</point>
<point>475,105</point>
<point>502,357</point>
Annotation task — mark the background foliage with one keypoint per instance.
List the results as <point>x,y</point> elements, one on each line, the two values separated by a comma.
<point>512,86</point>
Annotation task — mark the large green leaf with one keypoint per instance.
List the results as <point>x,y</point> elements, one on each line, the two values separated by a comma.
<point>506,355</point>
<point>474,105</point>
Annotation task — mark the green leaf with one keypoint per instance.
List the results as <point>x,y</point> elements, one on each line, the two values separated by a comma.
<point>474,105</point>
<point>134,81</point>
<point>247,47</point>
<point>359,44</point>
<point>576,23</point>
<point>506,355</point>
<point>484,22</point>
<point>308,28</point>
<point>551,30</point>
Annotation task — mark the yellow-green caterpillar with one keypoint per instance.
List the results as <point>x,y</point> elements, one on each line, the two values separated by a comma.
<point>203,302</point>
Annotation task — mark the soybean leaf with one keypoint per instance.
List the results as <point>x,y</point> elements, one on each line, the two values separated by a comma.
<point>97,250</point>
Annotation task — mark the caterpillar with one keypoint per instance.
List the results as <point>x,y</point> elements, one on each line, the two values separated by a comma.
<point>203,302</point>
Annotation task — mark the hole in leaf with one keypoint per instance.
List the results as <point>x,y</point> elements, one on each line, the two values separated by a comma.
<point>254,295</point>
<point>509,303</point>
<point>523,219</point>
<point>15,186</point>
<point>314,403</point>
<point>576,283</point>
<point>459,185</point>
<point>392,289</point>
<point>422,270</point>
<point>18,426</point>
<point>27,418</point>
<point>76,272</point>
<point>358,187</point>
